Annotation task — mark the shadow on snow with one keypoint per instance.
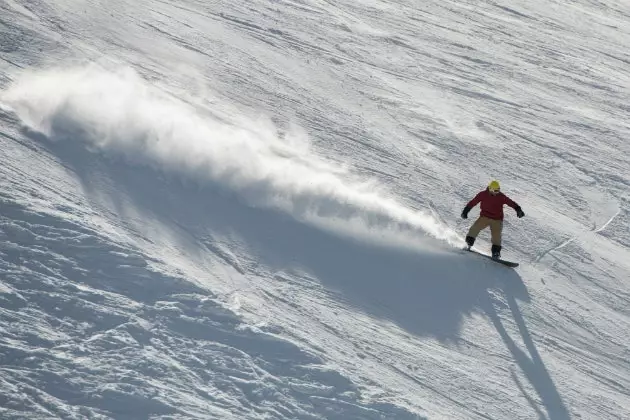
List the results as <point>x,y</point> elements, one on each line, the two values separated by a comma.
<point>426,294</point>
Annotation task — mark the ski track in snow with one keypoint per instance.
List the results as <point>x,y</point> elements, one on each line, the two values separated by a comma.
<point>247,209</point>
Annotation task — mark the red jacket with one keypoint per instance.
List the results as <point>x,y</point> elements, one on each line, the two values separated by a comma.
<point>492,205</point>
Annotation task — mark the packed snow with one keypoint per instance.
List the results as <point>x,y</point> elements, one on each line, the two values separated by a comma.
<point>250,210</point>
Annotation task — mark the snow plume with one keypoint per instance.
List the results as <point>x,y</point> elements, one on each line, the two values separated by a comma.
<point>120,113</point>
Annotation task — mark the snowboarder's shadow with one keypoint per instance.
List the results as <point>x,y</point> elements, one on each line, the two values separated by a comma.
<point>530,363</point>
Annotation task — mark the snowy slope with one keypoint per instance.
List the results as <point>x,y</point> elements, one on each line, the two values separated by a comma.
<point>251,209</point>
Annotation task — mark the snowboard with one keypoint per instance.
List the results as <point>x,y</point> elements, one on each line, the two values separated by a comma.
<point>500,261</point>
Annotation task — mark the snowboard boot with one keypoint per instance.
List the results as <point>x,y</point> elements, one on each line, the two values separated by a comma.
<point>496,252</point>
<point>470,241</point>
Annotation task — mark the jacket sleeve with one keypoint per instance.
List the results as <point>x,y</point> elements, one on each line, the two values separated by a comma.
<point>472,203</point>
<point>510,203</point>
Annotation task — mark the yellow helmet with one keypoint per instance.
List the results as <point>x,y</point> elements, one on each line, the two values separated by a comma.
<point>494,186</point>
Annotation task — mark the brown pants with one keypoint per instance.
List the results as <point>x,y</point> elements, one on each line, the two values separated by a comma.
<point>496,226</point>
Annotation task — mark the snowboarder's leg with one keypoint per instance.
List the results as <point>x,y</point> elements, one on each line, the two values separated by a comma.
<point>496,229</point>
<point>480,224</point>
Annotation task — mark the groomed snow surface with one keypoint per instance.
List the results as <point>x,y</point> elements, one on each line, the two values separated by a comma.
<point>250,209</point>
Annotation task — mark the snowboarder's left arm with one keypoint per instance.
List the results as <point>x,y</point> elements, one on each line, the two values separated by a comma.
<point>511,203</point>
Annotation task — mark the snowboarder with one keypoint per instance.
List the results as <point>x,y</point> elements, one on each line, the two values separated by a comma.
<point>492,201</point>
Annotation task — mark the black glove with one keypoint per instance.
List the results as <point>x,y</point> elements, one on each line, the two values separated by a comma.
<point>519,212</point>
<point>465,212</point>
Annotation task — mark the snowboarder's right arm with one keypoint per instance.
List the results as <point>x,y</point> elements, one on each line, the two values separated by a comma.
<point>472,203</point>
